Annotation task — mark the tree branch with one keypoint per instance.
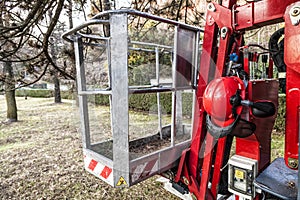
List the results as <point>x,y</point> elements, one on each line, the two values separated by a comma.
<point>47,36</point>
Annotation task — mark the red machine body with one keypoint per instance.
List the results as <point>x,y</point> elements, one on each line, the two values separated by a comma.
<point>235,99</point>
<point>204,161</point>
<point>292,60</point>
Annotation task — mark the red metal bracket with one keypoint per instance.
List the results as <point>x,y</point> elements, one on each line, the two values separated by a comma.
<point>235,19</point>
<point>261,13</point>
<point>292,61</point>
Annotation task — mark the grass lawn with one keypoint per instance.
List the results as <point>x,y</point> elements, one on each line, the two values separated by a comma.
<point>41,156</point>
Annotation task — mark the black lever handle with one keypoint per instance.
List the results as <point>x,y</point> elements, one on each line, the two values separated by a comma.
<point>267,107</point>
<point>261,109</point>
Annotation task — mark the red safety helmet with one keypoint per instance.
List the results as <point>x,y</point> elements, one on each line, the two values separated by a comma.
<point>216,99</point>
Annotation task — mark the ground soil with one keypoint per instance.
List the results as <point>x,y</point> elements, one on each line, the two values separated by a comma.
<point>41,157</point>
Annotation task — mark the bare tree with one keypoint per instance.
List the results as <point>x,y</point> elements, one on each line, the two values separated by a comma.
<point>25,32</point>
<point>9,83</point>
<point>26,29</point>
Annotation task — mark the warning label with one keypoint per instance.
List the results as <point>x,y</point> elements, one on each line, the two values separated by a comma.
<point>121,182</point>
<point>239,174</point>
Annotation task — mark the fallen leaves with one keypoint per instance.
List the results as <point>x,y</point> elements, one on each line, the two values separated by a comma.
<point>49,163</point>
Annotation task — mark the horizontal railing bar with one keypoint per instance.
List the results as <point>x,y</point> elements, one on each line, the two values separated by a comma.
<point>106,92</point>
<point>149,16</point>
<point>94,36</point>
<point>81,26</point>
<point>142,90</point>
<point>151,44</point>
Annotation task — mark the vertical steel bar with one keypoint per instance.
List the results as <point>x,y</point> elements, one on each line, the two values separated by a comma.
<point>108,60</point>
<point>196,60</point>
<point>81,85</point>
<point>158,94</point>
<point>174,77</point>
<point>179,127</point>
<point>119,98</point>
<point>175,51</point>
<point>157,64</point>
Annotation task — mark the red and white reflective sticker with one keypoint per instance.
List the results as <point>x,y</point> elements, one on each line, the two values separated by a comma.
<point>98,169</point>
<point>144,170</point>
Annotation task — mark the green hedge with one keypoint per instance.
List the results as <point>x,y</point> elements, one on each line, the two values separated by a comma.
<point>279,125</point>
<point>42,93</point>
<point>148,102</point>
<point>99,99</point>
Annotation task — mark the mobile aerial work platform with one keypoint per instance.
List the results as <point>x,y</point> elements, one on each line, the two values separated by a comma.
<point>120,160</point>
<point>234,96</point>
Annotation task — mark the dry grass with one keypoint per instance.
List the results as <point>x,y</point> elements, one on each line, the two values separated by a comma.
<point>41,157</point>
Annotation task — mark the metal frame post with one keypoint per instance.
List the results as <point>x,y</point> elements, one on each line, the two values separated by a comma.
<point>120,169</point>
<point>174,93</point>
<point>119,97</point>
<point>291,58</point>
<point>81,85</point>
<point>158,94</point>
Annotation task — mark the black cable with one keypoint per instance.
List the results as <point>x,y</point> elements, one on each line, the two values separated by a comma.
<point>276,44</point>
<point>263,48</point>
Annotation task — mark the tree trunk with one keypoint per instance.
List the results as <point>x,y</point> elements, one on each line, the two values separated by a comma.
<point>107,6</point>
<point>72,59</point>
<point>54,74</point>
<point>53,71</point>
<point>57,97</point>
<point>11,114</point>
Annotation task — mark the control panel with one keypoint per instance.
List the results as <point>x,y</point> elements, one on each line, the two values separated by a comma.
<point>242,172</point>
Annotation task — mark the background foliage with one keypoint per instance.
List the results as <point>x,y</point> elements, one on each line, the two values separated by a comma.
<point>148,103</point>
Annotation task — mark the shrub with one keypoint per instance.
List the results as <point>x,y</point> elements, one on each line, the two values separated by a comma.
<point>42,93</point>
<point>279,125</point>
<point>67,94</point>
<point>34,93</point>
<point>102,100</point>
<point>148,102</point>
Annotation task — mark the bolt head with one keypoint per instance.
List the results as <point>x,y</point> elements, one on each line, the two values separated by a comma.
<point>194,196</point>
<point>295,11</point>
<point>185,180</point>
<point>211,7</point>
<point>293,163</point>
